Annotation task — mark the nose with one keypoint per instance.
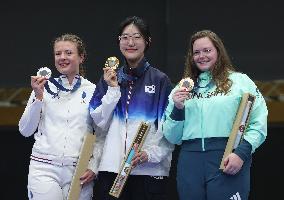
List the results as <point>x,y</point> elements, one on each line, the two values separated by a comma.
<point>130,41</point>
<point>62,56</point>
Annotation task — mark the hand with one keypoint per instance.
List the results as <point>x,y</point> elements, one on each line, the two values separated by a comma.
<point>37,83</point>
<point>87,177</point>
<point>179,96</point>
<point>139,157</point>
<point>233,163</point>
<point>110,77</point>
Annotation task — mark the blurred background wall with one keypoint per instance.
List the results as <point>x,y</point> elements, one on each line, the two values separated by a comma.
<point>251,31</point>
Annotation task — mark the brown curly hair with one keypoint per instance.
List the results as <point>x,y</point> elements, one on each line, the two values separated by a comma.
<point>222,68</point>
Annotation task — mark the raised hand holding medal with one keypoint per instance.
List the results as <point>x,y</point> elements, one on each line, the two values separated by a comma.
<point>110,75</point>
<point>182,92</point>
<point>186,83</point>
<point>38,81</point>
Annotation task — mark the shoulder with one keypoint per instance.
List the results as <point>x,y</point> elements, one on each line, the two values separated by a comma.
<point>238,77</point>
<point>244,83</point>
<point>87,84</point>
<point>158,73</point>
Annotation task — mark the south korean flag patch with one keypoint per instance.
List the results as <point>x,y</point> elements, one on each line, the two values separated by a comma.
<point>150,89</point>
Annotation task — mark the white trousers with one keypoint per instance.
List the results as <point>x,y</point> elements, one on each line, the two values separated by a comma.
<point>47,181</point>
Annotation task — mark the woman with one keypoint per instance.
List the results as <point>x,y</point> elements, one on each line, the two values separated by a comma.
<point>201,121</point>
<point>59,117</point>
<point>122,100</point>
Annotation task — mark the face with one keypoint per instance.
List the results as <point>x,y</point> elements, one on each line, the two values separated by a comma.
<point>204,54</point>
<point>67,59</point>
<point>132,45</point>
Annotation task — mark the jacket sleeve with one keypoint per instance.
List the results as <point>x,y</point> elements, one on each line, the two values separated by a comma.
<point>256,131</point>
<point>156,146</point>
<point>173,125</point>
<point>30,119</point>
<point>103,103</point>
<point>98,150</point>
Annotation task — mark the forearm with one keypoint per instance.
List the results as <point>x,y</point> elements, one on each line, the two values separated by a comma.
<point>173,126</point>
<point>30,118</point>
<point>98,150</point>
<point>103,113</point>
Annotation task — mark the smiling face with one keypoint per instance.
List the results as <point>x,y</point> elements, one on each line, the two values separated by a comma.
<point>132,45</point>
<point>67,58</point>
<point>204,54</point>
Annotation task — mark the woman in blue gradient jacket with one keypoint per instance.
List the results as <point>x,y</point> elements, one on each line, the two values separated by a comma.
<point>201,121</point>
<point>137,92</point>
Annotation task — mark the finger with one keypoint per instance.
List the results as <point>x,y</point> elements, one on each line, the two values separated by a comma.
<point>85,178</point>
<point>135,162</point>
<point>136,147</point>
<point>106,69</point>
<point>40,80</point>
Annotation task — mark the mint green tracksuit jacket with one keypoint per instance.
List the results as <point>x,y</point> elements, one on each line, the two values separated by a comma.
<point>212,114</point>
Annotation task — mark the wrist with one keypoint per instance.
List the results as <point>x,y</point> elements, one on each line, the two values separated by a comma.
<point>39,97</point>
<point>179,106</point>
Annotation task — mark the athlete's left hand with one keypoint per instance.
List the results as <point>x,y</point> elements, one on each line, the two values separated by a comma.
<point>233,163</point>
<point>87,177</point>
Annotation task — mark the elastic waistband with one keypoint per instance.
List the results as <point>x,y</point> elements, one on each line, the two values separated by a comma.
<point>54,160</point>
<point>214,143</point>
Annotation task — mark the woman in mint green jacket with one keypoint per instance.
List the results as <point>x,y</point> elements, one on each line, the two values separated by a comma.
<point>201,120</point>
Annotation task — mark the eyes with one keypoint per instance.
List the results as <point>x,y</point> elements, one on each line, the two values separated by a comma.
<point>205,51</point>
<point>66,53</point>
<point>126,37</point>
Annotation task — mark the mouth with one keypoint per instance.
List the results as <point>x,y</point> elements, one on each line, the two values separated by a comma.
<point>203,62</point>
<point>63,65</point>
<point>130,50</point>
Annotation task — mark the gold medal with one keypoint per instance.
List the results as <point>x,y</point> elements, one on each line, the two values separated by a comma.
<point>187,83</point>
<point>112,62</point>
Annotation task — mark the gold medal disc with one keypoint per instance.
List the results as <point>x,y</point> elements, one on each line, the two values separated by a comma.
<point>112,62</point>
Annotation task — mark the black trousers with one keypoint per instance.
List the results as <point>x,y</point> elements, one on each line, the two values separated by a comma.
<point>137,187</point>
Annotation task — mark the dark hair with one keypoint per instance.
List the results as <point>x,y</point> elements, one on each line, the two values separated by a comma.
<point>80,47</point>
<point>222,68</point>
<point>142,26</point>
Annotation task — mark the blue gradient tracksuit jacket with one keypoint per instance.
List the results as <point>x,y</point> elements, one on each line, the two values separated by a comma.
<point>141,96</point>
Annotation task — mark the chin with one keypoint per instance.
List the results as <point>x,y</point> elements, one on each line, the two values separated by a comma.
<point>204,68</point>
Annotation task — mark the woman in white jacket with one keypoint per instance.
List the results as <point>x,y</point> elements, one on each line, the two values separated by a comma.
<point>57,114</point>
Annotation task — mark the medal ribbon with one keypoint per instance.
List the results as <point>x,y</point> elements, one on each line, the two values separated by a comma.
<point>60,87</point>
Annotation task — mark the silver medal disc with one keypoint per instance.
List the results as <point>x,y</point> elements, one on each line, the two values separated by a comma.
<point>44,72</point>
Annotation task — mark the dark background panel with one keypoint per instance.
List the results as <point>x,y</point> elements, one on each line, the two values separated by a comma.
<point>266,168</point>
<point>31,28</point>
<point>251,31</point>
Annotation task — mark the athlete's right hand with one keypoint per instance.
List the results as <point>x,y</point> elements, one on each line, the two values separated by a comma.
<point>37,83</point>
<point>110,77</point>
<point>179,96</point>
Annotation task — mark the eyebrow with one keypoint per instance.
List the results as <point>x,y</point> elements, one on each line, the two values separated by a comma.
<point>130,34</point>
<point>203,48</point>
